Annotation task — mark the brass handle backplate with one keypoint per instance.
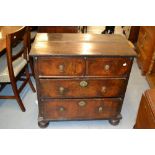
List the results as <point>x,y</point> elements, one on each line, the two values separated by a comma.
<point>61,109</point>
<point>61,68</point>
<point>106,67</point>
<point>100,109</point>
<point>61,90</point>
<point>83,83</point>
<point>82,103</point>
<point>103,89</point>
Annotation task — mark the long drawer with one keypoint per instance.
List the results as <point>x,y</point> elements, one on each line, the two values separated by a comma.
<point>58,109</point>
<point>78,66</point>
<point>82,88</point>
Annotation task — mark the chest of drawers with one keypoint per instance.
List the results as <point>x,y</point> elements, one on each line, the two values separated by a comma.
<point>81,77</point>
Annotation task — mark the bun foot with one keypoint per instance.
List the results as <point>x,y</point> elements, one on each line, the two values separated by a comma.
<point>43,124</point>
<point>114,121</point>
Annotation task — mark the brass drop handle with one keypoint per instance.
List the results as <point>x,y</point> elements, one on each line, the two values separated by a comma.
<point>100,109</point>
<point>103,89</point>
<point>61,68</point>
<point>83,83</point>
<point>62,109</point>
<point>61,90</point>
<point>106,67</point>
<point>82,103</point>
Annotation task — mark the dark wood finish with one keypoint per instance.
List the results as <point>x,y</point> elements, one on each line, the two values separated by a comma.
<point>78,37</point>
<point>109,67</point>
<point>12,40</point>
<point>77,109</point>
<point>82,49</point>
<point>30,41</point>
<point>146,113</point>
<point>73,68</point>
<point>58,29</point>
<point>134,32</point>
<point>74,89</point>
<point>61,66</point>
<point>81,45</point>
<point>145,47</point>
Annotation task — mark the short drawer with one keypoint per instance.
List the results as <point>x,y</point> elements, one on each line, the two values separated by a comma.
<point>66,109</point>
<point>57,66</point>
<point>80,88</point>
<point>110,67</point>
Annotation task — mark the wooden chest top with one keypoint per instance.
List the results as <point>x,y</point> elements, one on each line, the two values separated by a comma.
<point>80,45</point>
<point>74,37</point>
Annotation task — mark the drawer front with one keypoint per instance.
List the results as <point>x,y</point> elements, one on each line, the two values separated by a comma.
<point>68,88</point>
<point>61,66</point>
<point>81,108</point>
<point>111,67</point>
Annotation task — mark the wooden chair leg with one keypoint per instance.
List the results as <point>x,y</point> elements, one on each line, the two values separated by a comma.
<point>20,103</point>
<point>30,82</point>
<point>31,66</point>
<point>16,93</point>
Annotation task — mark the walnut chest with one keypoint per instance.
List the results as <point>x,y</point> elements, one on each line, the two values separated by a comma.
<point>81,76</point>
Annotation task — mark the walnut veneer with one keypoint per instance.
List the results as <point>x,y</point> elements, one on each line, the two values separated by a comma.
<point>81,76</point>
